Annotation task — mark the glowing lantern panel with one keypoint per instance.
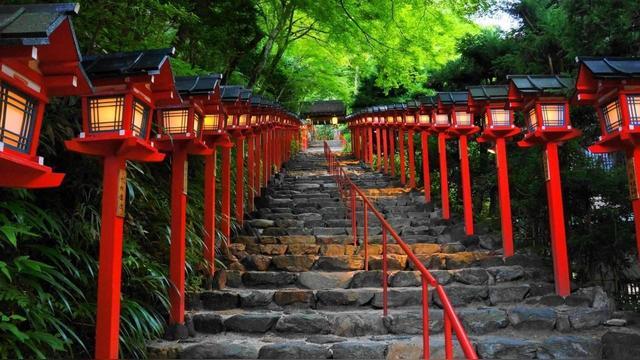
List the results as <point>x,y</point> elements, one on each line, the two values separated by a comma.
<point>500,117</point>
<point>175,121</point>
<point>442,119</point>
<point>612,116</point>
<point>17,119</point>
<point>532,119</point>
<point>633,103</point>
<point>552,115</point>
<point>105,114</point>
<point>463,118</point>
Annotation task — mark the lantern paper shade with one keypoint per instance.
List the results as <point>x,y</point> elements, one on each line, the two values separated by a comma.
<point>424,119</point>
<point>612,116</point>
<point>17,118</point>
<point>633,103</point>
<point>105,114</point>
<point>175,121</point>
<point>500,117</point>
<point>463,118</point>
<point>553,115</point>
<point>140,119</point>
<point>242,120</point>
<point>410,119</point>
<point>197,119</point>
<point>442,119</point>
<point>532,119</point>
<point>211,122</point>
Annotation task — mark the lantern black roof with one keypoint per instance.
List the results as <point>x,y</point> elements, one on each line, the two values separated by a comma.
<point>245,94</point>
<point>453,98</point>
<point>428,100</point>
<point>230,92</point>
<point>413,104</point>
<point>324,108</point>
<point>489,92</point>
<point>611,67</point>
<point>146,62</point>
<point>197,85</point>
<point>32,24</point>
<point>542,83</point>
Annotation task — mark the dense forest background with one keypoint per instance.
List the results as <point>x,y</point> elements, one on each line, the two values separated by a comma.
<point>361,51</point>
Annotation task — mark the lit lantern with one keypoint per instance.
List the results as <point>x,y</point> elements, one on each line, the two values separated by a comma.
<point>116,127</point>
<point>424,124</point>
<point>411,115</point>
<point>38,59</point>
<point>179,125</point>
<point>612,86</point>
<point>440,126</point>
<point>490,103</point>
<point>462,125</point>
<point>204,90</point>
<point>542,99</point>
<point>237,104</point>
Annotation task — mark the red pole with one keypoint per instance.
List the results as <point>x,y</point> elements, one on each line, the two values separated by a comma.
<point>365,225</point>
<point>505,197</point>
<point>370,146</point>
<point>556,219</point>
<point>426,177</point>
<point>265,157</point>
<point>225,219</point>
<point>392,152</point>
<point>633,173</point>
<point>466,185</point>
<point>354,216</point>
<point>444,182</point>
<point>425,319</point>
<point>403,174</point>
<point>378,149</point>
<point>110,263</point>
<point>448,341</point>
<point>385,144</point>
<point>250,170</point>
<point>412,163</point>
<point>257,179</point>
<point>210,211</point>
<point>385,273</point>
<point>179,168</point>
<point>240,180</point>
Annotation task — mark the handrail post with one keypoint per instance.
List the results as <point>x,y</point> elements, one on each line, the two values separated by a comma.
<point>425,318</point>
<point>448,346</point>
<point>354,214</point>
<point>366,235</point>
<point>384,272</point>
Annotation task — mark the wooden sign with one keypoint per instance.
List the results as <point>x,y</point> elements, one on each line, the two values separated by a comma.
<point>631,174</point>
<point>122,193</point>
<point>185,185</point>
<point>545,164</point>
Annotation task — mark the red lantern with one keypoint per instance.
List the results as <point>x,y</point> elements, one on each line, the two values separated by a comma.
<point>490,103</point>
<point>35,64</point>
<point>612,86</point>
<point>411,115</point>
<point>461,126</point>
<point>116,127</point>
<point>427,104</point>
<point>542,99</point>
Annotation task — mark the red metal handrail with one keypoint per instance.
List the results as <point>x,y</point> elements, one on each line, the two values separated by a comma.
<point>451,321</point>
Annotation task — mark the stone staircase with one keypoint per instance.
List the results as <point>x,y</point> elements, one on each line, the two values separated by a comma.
<point>299,289</point>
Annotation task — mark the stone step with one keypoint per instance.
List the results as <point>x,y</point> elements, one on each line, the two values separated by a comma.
<point>300,346</point>
<point>318,280</point>
<point>459,295</point>
<point>408,321</point>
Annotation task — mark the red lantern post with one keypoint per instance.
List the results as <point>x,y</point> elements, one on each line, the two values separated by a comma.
<point>237,102</point>
<point>410,123</point>
<point>116,127</point>
<point>440,125</point>
<point>461,127</point>
<point>179,133</point>
<point>424,125</point>
<point>29,75</point>
<point>612,86</point>
<point>377,129</point>
<point>490,102</point>
<point>542,99</point>
<point>205,90</point>
<point>399,123</point>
